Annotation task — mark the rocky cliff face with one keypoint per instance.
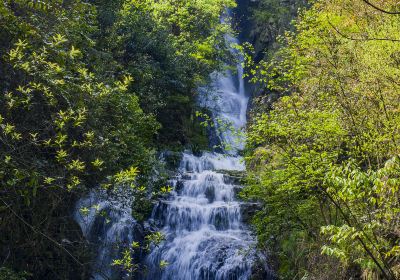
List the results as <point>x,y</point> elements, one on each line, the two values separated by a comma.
<point>261,21</point>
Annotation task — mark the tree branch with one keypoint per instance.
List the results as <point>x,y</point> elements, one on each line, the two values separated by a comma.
<point>380,9</point>
<point>360,39</point>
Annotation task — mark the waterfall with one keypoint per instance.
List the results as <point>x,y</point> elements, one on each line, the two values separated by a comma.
<point>205,238</point>
<point>201,221</point>
<point>108,226</point>
<point>228,103</point>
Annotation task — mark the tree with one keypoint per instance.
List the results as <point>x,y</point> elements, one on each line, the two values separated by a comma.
<point>315,157</point>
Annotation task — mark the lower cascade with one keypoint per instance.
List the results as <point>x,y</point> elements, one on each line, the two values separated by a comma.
<point>202,221</point>
<point>205,238</point>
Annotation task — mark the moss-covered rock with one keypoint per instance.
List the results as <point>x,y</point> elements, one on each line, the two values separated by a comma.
<point>234,177</point>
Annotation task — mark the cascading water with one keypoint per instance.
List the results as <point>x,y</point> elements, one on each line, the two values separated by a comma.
<point>205,237</point>
<point>201,221</point>
<point>107,223</point>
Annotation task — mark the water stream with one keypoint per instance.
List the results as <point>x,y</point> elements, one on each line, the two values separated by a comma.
<point>205,236</point>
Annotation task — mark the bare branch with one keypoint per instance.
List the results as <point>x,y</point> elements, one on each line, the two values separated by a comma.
<point>380,9</point>
<point>359,38</point>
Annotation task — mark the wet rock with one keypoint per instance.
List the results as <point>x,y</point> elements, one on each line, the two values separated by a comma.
<point>248,209</point>
<point>179,186</point>
<point>237,189</point>
<point>233,177</point>
<point>261,269</point>
<point>210,194</point>
<point>187,176</point>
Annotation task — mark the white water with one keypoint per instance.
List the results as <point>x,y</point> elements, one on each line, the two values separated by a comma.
<point>109,227</point>
<point>205,237</point>
<point>228,102</point>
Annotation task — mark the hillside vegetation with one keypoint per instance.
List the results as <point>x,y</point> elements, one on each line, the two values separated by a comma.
<point>93,90</point>
<point>324,161</point>
<point>89,91</point>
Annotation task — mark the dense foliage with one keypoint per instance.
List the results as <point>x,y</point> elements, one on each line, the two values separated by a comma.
<point>169,47</point>
<point>91,89</point>
<point>88,91</point>
<point>325,160</point>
